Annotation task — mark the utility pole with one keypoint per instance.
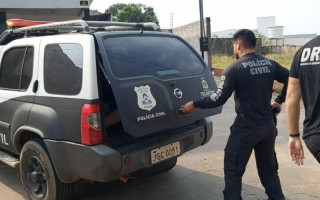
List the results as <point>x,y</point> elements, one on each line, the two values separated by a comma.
<point>202,38</point>
<point>171,21</point>
<point>205,38</point>
<point>209,52</point>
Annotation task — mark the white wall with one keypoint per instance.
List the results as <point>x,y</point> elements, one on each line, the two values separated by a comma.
<point>296,41</point>
<point>191,34</point>
<point>44,10</point>
<point>292,41</point>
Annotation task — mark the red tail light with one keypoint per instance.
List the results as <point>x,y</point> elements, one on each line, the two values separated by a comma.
<point>91,124</point>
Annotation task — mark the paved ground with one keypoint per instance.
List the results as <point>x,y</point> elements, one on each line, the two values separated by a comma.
<point>198,174</point>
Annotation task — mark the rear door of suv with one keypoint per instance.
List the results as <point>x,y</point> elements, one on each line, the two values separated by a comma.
<point>17,74</point>
<point>152,75</point>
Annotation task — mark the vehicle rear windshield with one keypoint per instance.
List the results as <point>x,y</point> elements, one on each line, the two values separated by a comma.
<point>162,57</point>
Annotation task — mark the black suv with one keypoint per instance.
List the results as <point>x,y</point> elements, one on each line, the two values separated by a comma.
<point>97,101</point>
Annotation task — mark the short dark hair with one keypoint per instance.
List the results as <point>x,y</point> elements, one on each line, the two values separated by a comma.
<point>247,38</point>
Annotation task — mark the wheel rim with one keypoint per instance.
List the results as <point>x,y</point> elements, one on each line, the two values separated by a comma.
<point>36,178</point>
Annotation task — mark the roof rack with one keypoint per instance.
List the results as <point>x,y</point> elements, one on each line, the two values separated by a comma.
<point>109,26</point>
<point>79,25</point>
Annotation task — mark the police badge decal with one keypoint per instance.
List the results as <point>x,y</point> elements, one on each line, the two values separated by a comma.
<point>145,99</point>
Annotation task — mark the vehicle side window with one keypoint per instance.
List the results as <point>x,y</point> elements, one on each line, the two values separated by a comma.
<point>63,65</point>
<point>16,68</point>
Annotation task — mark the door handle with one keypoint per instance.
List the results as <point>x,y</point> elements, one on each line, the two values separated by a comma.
<point>35,87</point>
<point>180,112</point>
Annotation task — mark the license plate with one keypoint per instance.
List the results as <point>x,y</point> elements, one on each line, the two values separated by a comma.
<point>165,152</point>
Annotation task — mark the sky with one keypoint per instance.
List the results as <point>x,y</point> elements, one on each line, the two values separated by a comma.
<point>297,16</point>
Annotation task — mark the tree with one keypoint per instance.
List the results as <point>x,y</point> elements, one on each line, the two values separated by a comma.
<point>115,9</point>
<point>258,34</point>
<point>132,13</point>
<point>149,15</point>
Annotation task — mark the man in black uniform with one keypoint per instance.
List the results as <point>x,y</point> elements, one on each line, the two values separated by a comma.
<point>251,77</point>
<point>304,81</point>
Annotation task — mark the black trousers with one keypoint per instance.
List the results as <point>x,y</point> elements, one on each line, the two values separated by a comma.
<point>313,144</point>
<point>239,147</point>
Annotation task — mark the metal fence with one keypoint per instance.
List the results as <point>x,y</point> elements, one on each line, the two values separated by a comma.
<point>224,46</point>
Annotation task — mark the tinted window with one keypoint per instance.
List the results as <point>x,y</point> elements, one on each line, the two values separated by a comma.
<point>12,66</point>
<point>63,68</point>
<point>161,57</point>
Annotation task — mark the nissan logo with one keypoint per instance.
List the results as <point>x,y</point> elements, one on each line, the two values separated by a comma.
<point>177,93</point>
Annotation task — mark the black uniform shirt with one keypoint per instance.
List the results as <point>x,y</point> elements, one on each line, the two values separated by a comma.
<point>306,67</point>
<point>251,77</point>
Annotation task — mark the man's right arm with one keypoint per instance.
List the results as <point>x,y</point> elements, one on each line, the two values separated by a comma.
<point>225,89</point>
<point>292,115</point>
<point>293,105</point>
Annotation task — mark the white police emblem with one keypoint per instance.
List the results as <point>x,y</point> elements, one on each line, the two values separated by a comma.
<point>145,99</point>
<point>204,83</point>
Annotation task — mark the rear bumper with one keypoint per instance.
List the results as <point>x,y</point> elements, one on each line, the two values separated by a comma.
<point>102,163</point>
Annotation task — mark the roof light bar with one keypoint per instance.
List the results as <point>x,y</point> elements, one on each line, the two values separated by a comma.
<point>24,23</point>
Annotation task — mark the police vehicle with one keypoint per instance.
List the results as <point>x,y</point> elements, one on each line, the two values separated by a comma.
<point>97,101</point>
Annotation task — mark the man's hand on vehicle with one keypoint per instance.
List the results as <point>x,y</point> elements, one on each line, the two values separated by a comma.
<point>188,107</point>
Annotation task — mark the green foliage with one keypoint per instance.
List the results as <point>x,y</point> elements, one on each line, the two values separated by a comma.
<point>283,59</point>
<point>115,9</point>
<point>149,15</point>
<point>222,61</point>
<point>132,13</point>
<point>258,34</point>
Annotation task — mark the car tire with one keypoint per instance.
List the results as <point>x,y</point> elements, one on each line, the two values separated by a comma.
<point>157,169</point>
<point>38,175</point>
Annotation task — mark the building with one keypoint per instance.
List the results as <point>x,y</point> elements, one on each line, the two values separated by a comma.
<point>224,34</point>
<point>43,10</point>
<point>273,34</point>
<point>263,23</point>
